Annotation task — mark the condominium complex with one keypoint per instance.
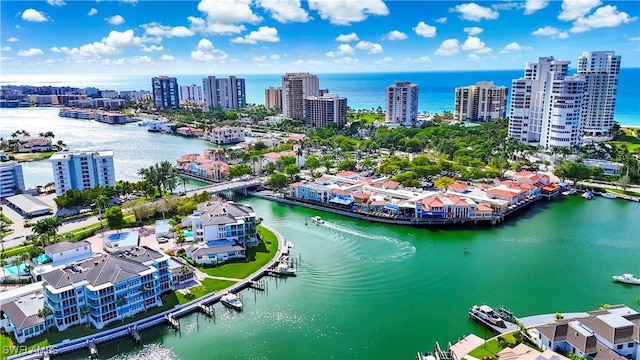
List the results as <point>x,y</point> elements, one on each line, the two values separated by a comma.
<point>226,135</point>
<point>82,169</point>
<point>402,103</point>
<point>600,70</point>
<point>295,88</point>
<point>165,92</point>
<point>480,102</point>
<point>320,111</point>
<point>105,288</point>
<point>228,93</point>
<point>546,105</point>
<point>190,93</point>
<point>11,178</point>
<point>273,98</point>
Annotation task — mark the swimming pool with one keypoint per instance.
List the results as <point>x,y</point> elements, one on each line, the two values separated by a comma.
<point>188,234</point>
<point>44,258</point>
<point>13,269</point>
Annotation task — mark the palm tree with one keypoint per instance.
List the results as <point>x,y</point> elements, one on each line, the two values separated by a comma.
<point>120,302</point>
<point>25,257</point>
<point>3,263</point>
<point>85,310</point>
<point>47,227</point>
<point>101,202</point>
<point>144,290</point>
<point>44,313</point>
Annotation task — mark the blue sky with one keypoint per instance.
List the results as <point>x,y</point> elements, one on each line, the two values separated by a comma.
<point>41,38</point>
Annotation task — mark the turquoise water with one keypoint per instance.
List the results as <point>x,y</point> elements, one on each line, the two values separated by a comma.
<point>373,291</point>
<point>43,258</point>
<point>188,233</point>
<point>14,270</point>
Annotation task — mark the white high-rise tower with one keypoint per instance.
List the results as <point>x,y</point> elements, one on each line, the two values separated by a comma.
<point>402,103</point>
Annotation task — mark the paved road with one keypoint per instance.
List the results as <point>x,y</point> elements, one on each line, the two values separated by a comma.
<point>229,185</point>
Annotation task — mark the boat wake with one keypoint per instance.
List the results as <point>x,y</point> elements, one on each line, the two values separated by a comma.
<point>149,352</point>
<point>390,249</point>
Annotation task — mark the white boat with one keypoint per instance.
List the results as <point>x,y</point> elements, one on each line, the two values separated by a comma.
<point>569,192</point>
<point>609,195</point>
<point>627,279</point>
<point>317,220</point>
<point>232,301</point>
<point>485,313</point>
<point>290,244</point>
<point>588,195</point>
<point>284,268</point>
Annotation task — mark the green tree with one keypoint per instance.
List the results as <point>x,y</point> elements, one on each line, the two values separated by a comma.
<point>444,182</point>
<point>347,164</point>
<point>624,182</point>
<point>115,218</point>
<point>85,310</point>
<point>44,313</point>
<point>101,202</point>
<point>47,227</point>
<point>239,170</point>
<point>121,301</point>
<point>291,170</point>
<point>277,181</point>
<point>145,291</point>
<point>312,162</point>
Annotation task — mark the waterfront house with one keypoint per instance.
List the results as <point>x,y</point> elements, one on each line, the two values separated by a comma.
<point>110,117</point>
<point>203,254</point>
<point>524,352</point>
<point>226,135</point>
<point>180,271</point>
<point>204,166</point>
<point>606,334</point>
<point>88,292</point>
<point>34,144</point>
<point>504,193</point>
<point>20,316</point>
<point>190,131</point>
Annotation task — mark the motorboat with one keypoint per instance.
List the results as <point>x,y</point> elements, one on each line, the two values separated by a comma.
<point>588,195</point>
<point>317,220</point>
<point>486,314</point>
<point>231,301</point>
<point>284,268</point>
<point>569,192</point>
<point>289,244</point>
<point>627,279</point>
<point>609,195</point>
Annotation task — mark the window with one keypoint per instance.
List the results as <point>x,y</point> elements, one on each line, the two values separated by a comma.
<point>619,347</point>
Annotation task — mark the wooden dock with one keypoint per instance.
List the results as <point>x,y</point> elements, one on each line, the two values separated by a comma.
<point>135,335</point>
<point>208,310</point>
<point>93,349</point>
<point>173,322</point>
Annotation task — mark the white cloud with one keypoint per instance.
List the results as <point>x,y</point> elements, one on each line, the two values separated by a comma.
<point>474,44</point>
<point>260,58</point>
<point>347,37</point>
<point>166,57</point>
<point>448,47</point>
<point>206,52</point>
<point>30,52</point>
<point>475,12</point>
<point>606,16</point>
<point>6,48</point>
<point>419,60</point>
<point>507,5</point>
<point>13,39</point>
<point>158,30</point>
<point>385,60</point>
<point>115,20</point>
<point>514,46</point>
<point>573,9</point>
<point>345,12</point>
<point>554,33</point>
<point>531,6</point>
<point>371,48</point>
<point>224,16</point>
<point>634,39</point>
<point>88,50</point>
<point>274,57</point>
<point>33,15</point>
<point>425,30</point>
<point>394,35</point>
<point>263,34</point>
<point>473,57</point>
<point>285,10</point>
<point>133,2</point>
<point>346,61</point>
<point>122,39</point>
<point>309,62</point>
<point>92,12</point>
<point>56,2</point>
<point>152,48</point>
<point>473,30</point>
<point>442,20</point>
<point>343,49</point>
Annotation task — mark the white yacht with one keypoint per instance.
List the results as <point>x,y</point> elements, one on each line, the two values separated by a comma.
<point>232,301</point>
<point>485,313</point>
<point>627,279</point>
<point>284,268</point>
<point>609,195</point>
<point>317,220</point>
<point>569,192</point>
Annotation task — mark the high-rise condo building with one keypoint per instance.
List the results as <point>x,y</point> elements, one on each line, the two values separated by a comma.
<point>165,92</point>
<point>600,70</point>
<point>295,88</point>
<point>480,102</point>
<point>190,93</point>
<point>273,98</point>
<point>82,170</point>
<point>11,178</point>
<point>320,111</point>
<point>402,103</point>
<point>546,105</point>
<point>228,93</point>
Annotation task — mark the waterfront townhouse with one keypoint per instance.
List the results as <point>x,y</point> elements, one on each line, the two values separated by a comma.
<point>203,166</point>
<point>606,334</point>
<point>82,170</point>
<point>110,117</point>
<point>190,131</point>
<point>103,289</point>
<point>58,255</point>
<point>11,177</point>
<point>226,135</point>
<point>222,231</point>
<point>20,315</point>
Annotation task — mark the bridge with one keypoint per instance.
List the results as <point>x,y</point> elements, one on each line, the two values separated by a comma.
<point>228,187</point>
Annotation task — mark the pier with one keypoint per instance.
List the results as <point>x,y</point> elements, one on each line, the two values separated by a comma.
<point>135,335</point>
<point>206,309</point>
<point>173,322</point>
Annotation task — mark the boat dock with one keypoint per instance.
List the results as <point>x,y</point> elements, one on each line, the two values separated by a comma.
<point>170,316</point>
<point>509,320</point>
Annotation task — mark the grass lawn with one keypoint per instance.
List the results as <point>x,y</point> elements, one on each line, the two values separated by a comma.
<point>5,219</point>
<point>257,257</point>
<point>208,286</point>
<point>369,117</point>
<point>16,250</point>
<point>627,192</point>
<point>628,140</point>
<point>492,347</point>
<point>20,157</point>
<point>169,301</point>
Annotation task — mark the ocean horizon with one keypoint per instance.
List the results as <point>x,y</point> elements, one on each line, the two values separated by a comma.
<point>362,90</point>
